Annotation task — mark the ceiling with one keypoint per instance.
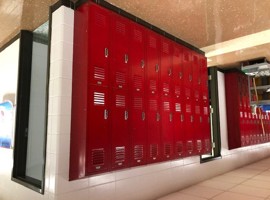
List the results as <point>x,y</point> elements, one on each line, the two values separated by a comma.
<point>229,31</point>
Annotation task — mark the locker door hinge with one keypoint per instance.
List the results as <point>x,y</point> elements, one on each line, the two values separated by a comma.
<point>209,77</point>
<point>106,52</point>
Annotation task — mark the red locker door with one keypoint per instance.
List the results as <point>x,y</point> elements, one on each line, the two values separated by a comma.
<point>187,69</point>
<point>98,139</point>
<point>167,134</point>
<point>189,127</point>
<point>177,66</point>
<point>179,130</point>
<point>99,44</point>
<point>166,71</point>
<point>137,58</point>
<point>153,66</point>
<point>138,129</point>
<point>153,126</point>
<point>206,128</point>
<point>196,76</point>
<point>120,138</point>
<point>119,59</point>
<point>198,133</point>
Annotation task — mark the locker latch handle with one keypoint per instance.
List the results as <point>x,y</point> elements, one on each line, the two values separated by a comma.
<point>126,115</point>
<point>171,117</point>
<point>106,52</point>
<point>143,116</point>
<point>170,72</point>
<point>126,58</point>
<point>158,117</point>
<point>142,63</point>
<point>191,118</point>
<point>106,114</point>
<point>182,118</point>
<point>157,67</point>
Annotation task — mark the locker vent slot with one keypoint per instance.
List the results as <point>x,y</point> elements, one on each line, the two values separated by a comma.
<point>197,94</point>
<point>179,148</point>
<point>199,145</point>
<point>153,151</point>
<point>153,104</point>
<point>100,20</point>
<point>120,28</point>
<point>99,73</point>
<point>152,42</point>
<point>188,108</point>
<point>166,106</point>
<point>137,103</point>
<point>153,85</point>
<point>120,101</point>
<point>167,150</point>
<point>176,52</point>
<point>166,88</point>
<point>98,157</point>
<point>99,98</point>
<point>138,152</point>
<point>247,138</point>
<point>165,47</point>
<point>120,79</point>
<point>137,82</point>
<point>242,140</point>
<point>189,147</point>
<point>205,110</point>
<point>177,107</point>
<point>197,110</point>
<point>138,36</point>
<point>120,155</point>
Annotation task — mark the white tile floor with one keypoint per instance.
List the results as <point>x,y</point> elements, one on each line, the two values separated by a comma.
<point>251,182</point>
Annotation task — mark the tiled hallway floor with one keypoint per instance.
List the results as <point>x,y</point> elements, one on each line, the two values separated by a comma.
<point>251,182</point>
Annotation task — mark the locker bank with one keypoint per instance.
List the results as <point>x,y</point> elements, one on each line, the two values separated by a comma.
<point>134,100</point>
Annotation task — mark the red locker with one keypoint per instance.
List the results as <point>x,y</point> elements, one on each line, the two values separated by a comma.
<point>120,137</point>
<point>167,127</point>
<point>189,127</point>
<point>153,126</point>
<point>187,69</point>
<point>138,130</point>
<point>166,70</point>
<point>198,127</point>
<point>153,62</point>
<point>98,139</point>
<point>119,59</point>
<point>99,44</point>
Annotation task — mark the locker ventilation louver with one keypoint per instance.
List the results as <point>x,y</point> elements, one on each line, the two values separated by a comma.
<point>166,106</point>
<point>137,82</point>
<point>177,107</point>
<point>179,148</point>
<point>120,101</point>
<point>138,37</point>
<point>153,151</point>
<point>153,85</point>
<point>189,147</point>
<point>197,110</point>
<point>188,108</point>
<point>199,145</point>
<point>99,98</point>
<point>205,110</point>
<point>120,28</point>
<point>166,88</point>
<point>167,150</point>
<point>137,103</point>
<point>120,155</point>
<point>120,79</point>
<point>100,20</point>
<point>207,145</point>
<point>165,48</point>
<point>138,152</point>
<point>153,104</point>
<point>98,157</point>
<point>99,73</point>
<point>152,42</point>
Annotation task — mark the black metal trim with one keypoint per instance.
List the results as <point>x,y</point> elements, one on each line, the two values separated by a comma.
<point>28,184</point>
<point>141,22</point>
<point>10,42</point>
<point>23,100</point>
<point>67,3</point>
<point>205,160</point>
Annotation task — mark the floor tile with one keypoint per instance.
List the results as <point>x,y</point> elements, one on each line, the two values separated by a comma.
<point>261,177</point>
<point>180,196</point>
<point>257,183</point>
<point>235,196</point>
<point>217,185</point>
<point>252,191</point>
<point>201,191</point>
<point>229,179</point>
<point>245,173</point>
